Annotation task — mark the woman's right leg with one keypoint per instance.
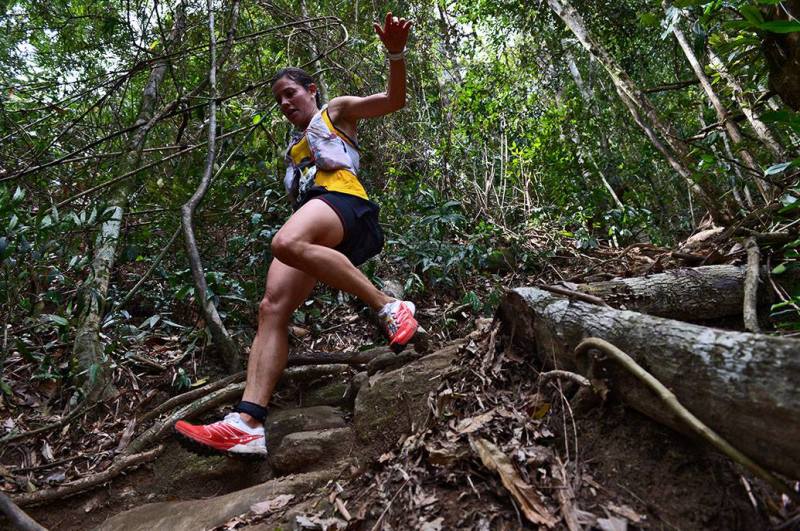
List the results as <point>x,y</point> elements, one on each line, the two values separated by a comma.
<point>286,290</point>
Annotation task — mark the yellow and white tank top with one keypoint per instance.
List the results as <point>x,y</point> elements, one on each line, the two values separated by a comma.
<point>322,156</point>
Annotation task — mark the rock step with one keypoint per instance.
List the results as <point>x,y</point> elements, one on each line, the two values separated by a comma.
<point>282,422</point>
<point>312,450</point>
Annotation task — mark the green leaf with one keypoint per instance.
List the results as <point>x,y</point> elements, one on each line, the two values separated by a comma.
<point>752,15</point>
<point>6,388</point>
<point>256,119</point>
<point>649,20</point>
<point>19,194</point>
<point>57,319</point>
<point>777,168</point>
<point>780,26</point>
<point>777,270</point>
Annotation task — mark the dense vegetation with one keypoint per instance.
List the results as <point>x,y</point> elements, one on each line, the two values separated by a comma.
<point>515,143</point>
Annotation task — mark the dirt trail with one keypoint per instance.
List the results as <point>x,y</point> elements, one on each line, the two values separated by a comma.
<point>400,455</point>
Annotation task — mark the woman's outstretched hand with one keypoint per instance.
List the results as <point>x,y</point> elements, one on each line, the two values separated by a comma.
<point>394,33</point>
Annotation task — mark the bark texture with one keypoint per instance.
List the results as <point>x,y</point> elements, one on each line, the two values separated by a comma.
<point>741,385</point>
<point>690,294</point>
<point>782,52</point>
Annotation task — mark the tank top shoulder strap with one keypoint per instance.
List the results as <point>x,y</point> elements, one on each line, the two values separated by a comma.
<point>333,128</point>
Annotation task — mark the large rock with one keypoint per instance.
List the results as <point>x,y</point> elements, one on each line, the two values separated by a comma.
<point>307,450</point>
<point>394,403</point>
<point>212,512</point>
<point>283,422</point>
<point>333,393</point>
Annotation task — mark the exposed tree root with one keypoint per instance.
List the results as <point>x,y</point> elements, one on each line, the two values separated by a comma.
<point>159,430</point>
<point>18,518</point>
<point>572,376</point>
<point>194,394</point>
<point>325,358</point>
<point>121,463</point>
<point>669,399</point>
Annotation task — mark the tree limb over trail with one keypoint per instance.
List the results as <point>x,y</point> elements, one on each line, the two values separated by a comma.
<point>741,385</point>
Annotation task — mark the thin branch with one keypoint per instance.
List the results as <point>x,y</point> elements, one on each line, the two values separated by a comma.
<point>671,86</point>
<point>750,303</point>
<point>189,396</point>
<point>147,274</point>
<point>73,487</point>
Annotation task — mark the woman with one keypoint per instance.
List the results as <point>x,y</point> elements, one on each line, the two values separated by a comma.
<point>333,230</point>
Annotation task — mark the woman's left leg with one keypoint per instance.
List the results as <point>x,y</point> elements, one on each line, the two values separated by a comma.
<point>306,243</point>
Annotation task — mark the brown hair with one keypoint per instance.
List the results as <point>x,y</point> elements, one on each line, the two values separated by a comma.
<point>299,76</point>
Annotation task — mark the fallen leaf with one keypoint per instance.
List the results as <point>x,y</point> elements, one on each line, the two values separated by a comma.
<point>272,505</point>
<point>626,512</point>
<point>298,332</point>
<point>472,424</point>
<point>612,523</point>
<point>126,436</point>
<point>47,452</point>
<point>529,500</point>
<point>444,453</point>
<point>388,456</point>
<point>433,525</point>
<point>56,477</point>
<point>540,411</point>
<point>317,523</point>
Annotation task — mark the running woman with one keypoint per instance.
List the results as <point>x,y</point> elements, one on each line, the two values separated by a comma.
<point>332,231</point>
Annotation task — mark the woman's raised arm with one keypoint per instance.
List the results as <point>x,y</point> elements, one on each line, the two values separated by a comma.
<point>394,35</point>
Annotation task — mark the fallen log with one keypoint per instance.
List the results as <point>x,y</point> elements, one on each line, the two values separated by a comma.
<point>742,385</point>
<point>687,294</point>
<point>349,358</point>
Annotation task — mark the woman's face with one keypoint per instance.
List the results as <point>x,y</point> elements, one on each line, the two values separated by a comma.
<point>297,103</point>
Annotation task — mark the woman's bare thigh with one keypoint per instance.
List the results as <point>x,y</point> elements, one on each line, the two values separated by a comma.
<point>315,222</point>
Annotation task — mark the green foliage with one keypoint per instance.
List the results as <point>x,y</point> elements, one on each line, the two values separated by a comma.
<point>498,142</point>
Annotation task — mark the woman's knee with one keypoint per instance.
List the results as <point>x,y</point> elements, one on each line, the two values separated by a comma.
<point>287,248</point>
<point>272,309</point>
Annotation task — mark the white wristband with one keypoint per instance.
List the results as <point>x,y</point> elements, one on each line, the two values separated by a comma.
<point>396,56</point>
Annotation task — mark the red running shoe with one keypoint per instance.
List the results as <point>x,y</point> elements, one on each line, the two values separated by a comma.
<point>230,436</point>
<point>398,319</point>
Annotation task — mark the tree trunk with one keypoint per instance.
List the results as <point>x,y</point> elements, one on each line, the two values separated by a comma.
<point>223,342</point>
<point>742,385</point>
<point>88,349</point>
<point>723,115</point>
<point>762,131</point>
<point>782,53</point>
<point>691,294</point>
<point>670,144</point>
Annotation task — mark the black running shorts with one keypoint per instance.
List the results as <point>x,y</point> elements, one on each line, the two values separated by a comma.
<point>363,236</point>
